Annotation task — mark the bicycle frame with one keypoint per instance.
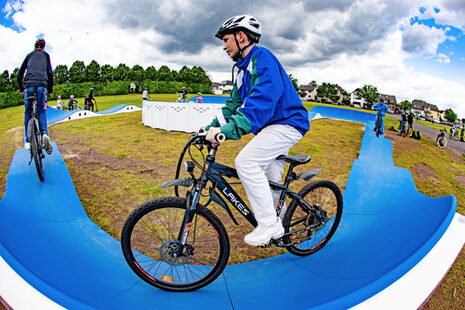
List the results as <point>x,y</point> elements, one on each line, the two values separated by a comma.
<point>214,172</point>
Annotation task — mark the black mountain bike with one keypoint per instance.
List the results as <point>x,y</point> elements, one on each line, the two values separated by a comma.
<point>378,130</point>
<point>35,138</point>
<point>178,244</point>
<point>441,140</point>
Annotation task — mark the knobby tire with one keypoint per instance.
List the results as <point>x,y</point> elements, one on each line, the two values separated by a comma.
<point>36,149</point>
<point>151,232</point>
<point>328,196</point>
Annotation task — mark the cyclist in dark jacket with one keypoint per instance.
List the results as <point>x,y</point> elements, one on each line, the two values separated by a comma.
<point>39,81</point>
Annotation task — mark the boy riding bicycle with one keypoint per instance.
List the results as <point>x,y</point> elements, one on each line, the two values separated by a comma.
<point>38,81</point>
<point>263,101</point>
<point>381,109</point>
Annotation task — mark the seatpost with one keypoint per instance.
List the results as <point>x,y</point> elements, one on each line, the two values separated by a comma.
<point>289,176</point>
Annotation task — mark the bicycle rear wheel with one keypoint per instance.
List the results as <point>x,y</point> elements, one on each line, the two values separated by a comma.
<point>36,149</point>
<point>319,224</point>
<point>442,142</point>
<point>150,244</point>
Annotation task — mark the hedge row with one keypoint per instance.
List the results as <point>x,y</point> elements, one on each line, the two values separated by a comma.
<point>105,89</point>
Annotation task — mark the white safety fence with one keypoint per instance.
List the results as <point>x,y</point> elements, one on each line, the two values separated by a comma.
<point>178,116</point>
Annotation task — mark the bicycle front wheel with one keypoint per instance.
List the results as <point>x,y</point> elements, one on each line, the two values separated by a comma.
<point>442,142</point>
<point>315,226</point>
<point>151,246</point>
<point>36,149</point>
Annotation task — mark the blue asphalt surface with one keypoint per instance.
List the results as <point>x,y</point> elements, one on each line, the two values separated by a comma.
<point>387,227</point>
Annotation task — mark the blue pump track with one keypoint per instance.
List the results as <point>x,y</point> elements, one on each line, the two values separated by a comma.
<point>387,228</point>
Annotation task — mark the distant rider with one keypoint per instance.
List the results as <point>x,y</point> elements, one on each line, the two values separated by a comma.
<point>71,103</point>
<point>381,109</point>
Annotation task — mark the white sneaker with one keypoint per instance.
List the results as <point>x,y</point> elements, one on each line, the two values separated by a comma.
<point>27,146</point>
<point>47,145</point>
<point>262,235</point>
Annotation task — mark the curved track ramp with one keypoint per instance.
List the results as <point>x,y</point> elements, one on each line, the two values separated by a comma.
<point>53,255</point>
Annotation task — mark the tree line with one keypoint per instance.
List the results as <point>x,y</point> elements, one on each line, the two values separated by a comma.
<point>109,80</point>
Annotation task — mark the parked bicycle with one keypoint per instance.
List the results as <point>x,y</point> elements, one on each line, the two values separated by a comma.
<point>35,138</point>
<point>177,244</point>
<point>441,140</point>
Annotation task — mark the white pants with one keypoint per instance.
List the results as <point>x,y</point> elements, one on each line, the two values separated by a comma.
<point>256,164</point>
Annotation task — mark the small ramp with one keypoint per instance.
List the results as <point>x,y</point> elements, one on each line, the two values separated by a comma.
<point>387,233</point>
<point>57,116</point>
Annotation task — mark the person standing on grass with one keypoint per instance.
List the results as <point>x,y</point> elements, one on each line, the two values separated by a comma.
<point>92,100</point>
<point>39,81</point>
<point>263,102</point>
<point>403,120</point>
<point>145,94</point>
<point>410,122</point>
<point>59,103</point>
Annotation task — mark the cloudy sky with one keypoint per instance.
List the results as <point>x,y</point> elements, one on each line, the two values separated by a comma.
<point>408,48</point>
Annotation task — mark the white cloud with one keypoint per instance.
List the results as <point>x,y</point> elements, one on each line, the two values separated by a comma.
<point>421,39</point>
<point>442,58</point>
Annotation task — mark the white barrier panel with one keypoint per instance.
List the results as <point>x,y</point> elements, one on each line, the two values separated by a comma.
<point>178,116</point>
<point>145,107</point>
<point>200,114</point>
<point>159,115</point>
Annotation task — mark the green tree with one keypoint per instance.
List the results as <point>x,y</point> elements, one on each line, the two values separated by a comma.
<point>164,74</point>
<point>77,72</point>
<point>185,75</point>
<point>370,93</point>
<point>60,74</point>
<point>450,115</point>
<point>107,73</point>
<point>93,72</point>
<point>200,76</point>
<point>4,81</point>
<point>121,73</point>
<point>294,81</point>
<point>313,83</point>
<point>151,73</point>
<point>137,73</point>
<point>13,79</point>
<point>405,105</point>
<point>327,91</point>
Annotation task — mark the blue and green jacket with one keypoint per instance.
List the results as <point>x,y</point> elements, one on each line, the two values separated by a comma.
<point>262,95</point>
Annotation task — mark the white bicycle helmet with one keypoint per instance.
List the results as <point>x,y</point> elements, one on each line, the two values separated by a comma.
<point>246,23</point>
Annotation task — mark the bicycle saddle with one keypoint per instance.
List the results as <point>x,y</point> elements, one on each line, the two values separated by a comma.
<point>296,159</point>
<point>31,98</point>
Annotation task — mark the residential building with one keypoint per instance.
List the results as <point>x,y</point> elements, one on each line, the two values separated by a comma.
<point>356,100</point>
<point>221,88</point>
<point>341,93</point>
<point>308,92</point>
<point>423,109</point>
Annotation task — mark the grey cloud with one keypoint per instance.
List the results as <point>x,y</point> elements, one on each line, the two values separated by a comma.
<point>351,26</point>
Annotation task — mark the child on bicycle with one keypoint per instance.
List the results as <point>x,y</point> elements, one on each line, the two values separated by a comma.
<point>381,109</point>
<point>38,81</point>
<point>263,101</point>
<point>72,103</point>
